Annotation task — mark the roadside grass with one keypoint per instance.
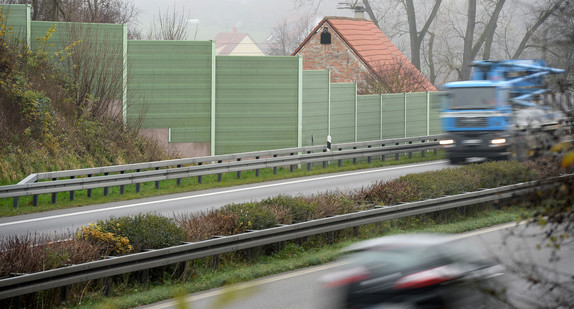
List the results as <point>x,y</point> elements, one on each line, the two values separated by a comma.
<point>192,184</point>
<point>294,255</point>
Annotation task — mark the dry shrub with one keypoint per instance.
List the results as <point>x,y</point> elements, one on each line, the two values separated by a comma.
<point>545,167</point>
<point>34,252</point>
<point>206,224</point>
<point>388,193</point>
<point>331,204</point>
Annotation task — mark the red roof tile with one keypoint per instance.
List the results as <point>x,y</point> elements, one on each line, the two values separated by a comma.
<point>373,47</point>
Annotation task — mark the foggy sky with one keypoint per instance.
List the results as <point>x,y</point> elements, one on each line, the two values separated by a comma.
<point>256,17</point>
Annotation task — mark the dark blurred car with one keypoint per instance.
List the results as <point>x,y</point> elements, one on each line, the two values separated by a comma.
<point>412,271</point>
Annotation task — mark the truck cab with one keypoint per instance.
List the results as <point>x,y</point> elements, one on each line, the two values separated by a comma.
<point>479,116</point>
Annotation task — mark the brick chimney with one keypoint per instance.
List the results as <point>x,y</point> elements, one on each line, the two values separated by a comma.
<point>360,12</point>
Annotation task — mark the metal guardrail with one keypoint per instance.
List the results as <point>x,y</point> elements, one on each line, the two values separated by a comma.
<point>61,277</point>
<point>122,175</point>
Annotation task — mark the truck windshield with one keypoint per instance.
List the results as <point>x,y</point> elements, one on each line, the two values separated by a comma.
<point>471,98</point>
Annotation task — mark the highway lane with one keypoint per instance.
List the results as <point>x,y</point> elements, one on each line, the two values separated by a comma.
<point>300,289</point>
<point>68,220</point>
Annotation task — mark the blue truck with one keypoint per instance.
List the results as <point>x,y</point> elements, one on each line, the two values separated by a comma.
<point>498,114</point>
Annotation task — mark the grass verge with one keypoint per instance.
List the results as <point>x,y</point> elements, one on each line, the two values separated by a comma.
<point>190,184</point>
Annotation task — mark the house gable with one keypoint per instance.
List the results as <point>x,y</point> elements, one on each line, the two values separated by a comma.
<point>375,56</point>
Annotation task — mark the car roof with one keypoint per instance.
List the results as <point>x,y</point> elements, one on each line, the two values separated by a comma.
<point>402,240</point>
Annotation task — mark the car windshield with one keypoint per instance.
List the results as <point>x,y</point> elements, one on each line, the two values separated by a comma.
<point>471,98</point>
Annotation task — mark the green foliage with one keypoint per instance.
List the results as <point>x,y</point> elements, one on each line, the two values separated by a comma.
<point>252,215</point>
<point>145,231</point>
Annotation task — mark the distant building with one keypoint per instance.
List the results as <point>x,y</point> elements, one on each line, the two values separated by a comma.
<point>236,44</point>
<point>355,50</point>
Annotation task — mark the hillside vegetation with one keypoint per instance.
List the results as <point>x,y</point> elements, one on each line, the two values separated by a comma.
<point>48,122</point>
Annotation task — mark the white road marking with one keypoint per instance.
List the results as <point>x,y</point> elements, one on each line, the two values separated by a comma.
<point>219,193</point>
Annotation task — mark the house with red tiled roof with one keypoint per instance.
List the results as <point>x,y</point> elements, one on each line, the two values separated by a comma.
<point>236,44</point>
<point>356,50</point>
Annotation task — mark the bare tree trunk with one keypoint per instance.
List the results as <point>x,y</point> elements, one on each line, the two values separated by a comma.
<point>369,10</point>
<point>464,71</point>
<point>416,37</point>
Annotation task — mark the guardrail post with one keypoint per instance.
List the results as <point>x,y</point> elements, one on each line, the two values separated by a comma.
<point>292,167</point>
<point>216,262</point>
<point>309,164</point>
<point>179,179</point>
<point>220,175</point>
<point>410,152</point>
<point>383,156</point>
<point>257,170</point>
<point>157,182</point>
<point>275,167</point>
<point>369,157</point>
<point>340,163</point>
<point>72,193</point>
<point>15,202</point>
<point>107,286</point>
<point>106,189</point>
<point>435,150</point>
<point>35,200</point>
<point>354,159</point>
<point>238,172</point>
<point>324,162</point>
<point>200,178</point>
<point>63,293</point>
<point>122,187</point>
<point>138,185</point>
<point>89,191</point>
<point>397,154</point>
<point>422,151</point>
<point>54,194</point>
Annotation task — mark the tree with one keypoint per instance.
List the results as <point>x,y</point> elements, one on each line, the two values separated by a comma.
<point>288,35</point>
<point>171,25</point>
<point>92,11</point>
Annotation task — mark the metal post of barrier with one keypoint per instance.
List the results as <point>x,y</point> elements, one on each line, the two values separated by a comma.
<point>396,155</point>
<point>383,156</point>
<point>35,200</point>
<point>89,191</point>
<point>106,189</point>
<point>422,151</point>
<point>369,157</point>
<point>308,164</point>
<point>54,194</point>
<point>292,167</point>
<point>72,193</point>
<point>138,185</point>
<point>238,172</point>
<point>179,179</point>
<point>220,175</point>
<point>275,168</point>
<point>354,159</point>
<point>257,170</point>
<point>15,202</point>
<point>157,182</point>
<point>410,152</point>
<point>325,162</point>
<point>200,177</point>
<point>340,163</point>
<point>122,187</point>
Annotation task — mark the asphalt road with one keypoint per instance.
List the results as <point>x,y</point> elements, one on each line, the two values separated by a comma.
<point>514,246</point>
<point>68,220</point>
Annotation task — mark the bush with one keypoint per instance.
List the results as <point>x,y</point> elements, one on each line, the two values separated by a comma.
<point>111,243</point>
<point>290,209</point>
<point>145,231</point>
<point>252,216</point>
<point>32,253</point>
<point>206,224</point>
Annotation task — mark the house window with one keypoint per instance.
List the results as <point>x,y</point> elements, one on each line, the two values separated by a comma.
<point>325,36</point>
